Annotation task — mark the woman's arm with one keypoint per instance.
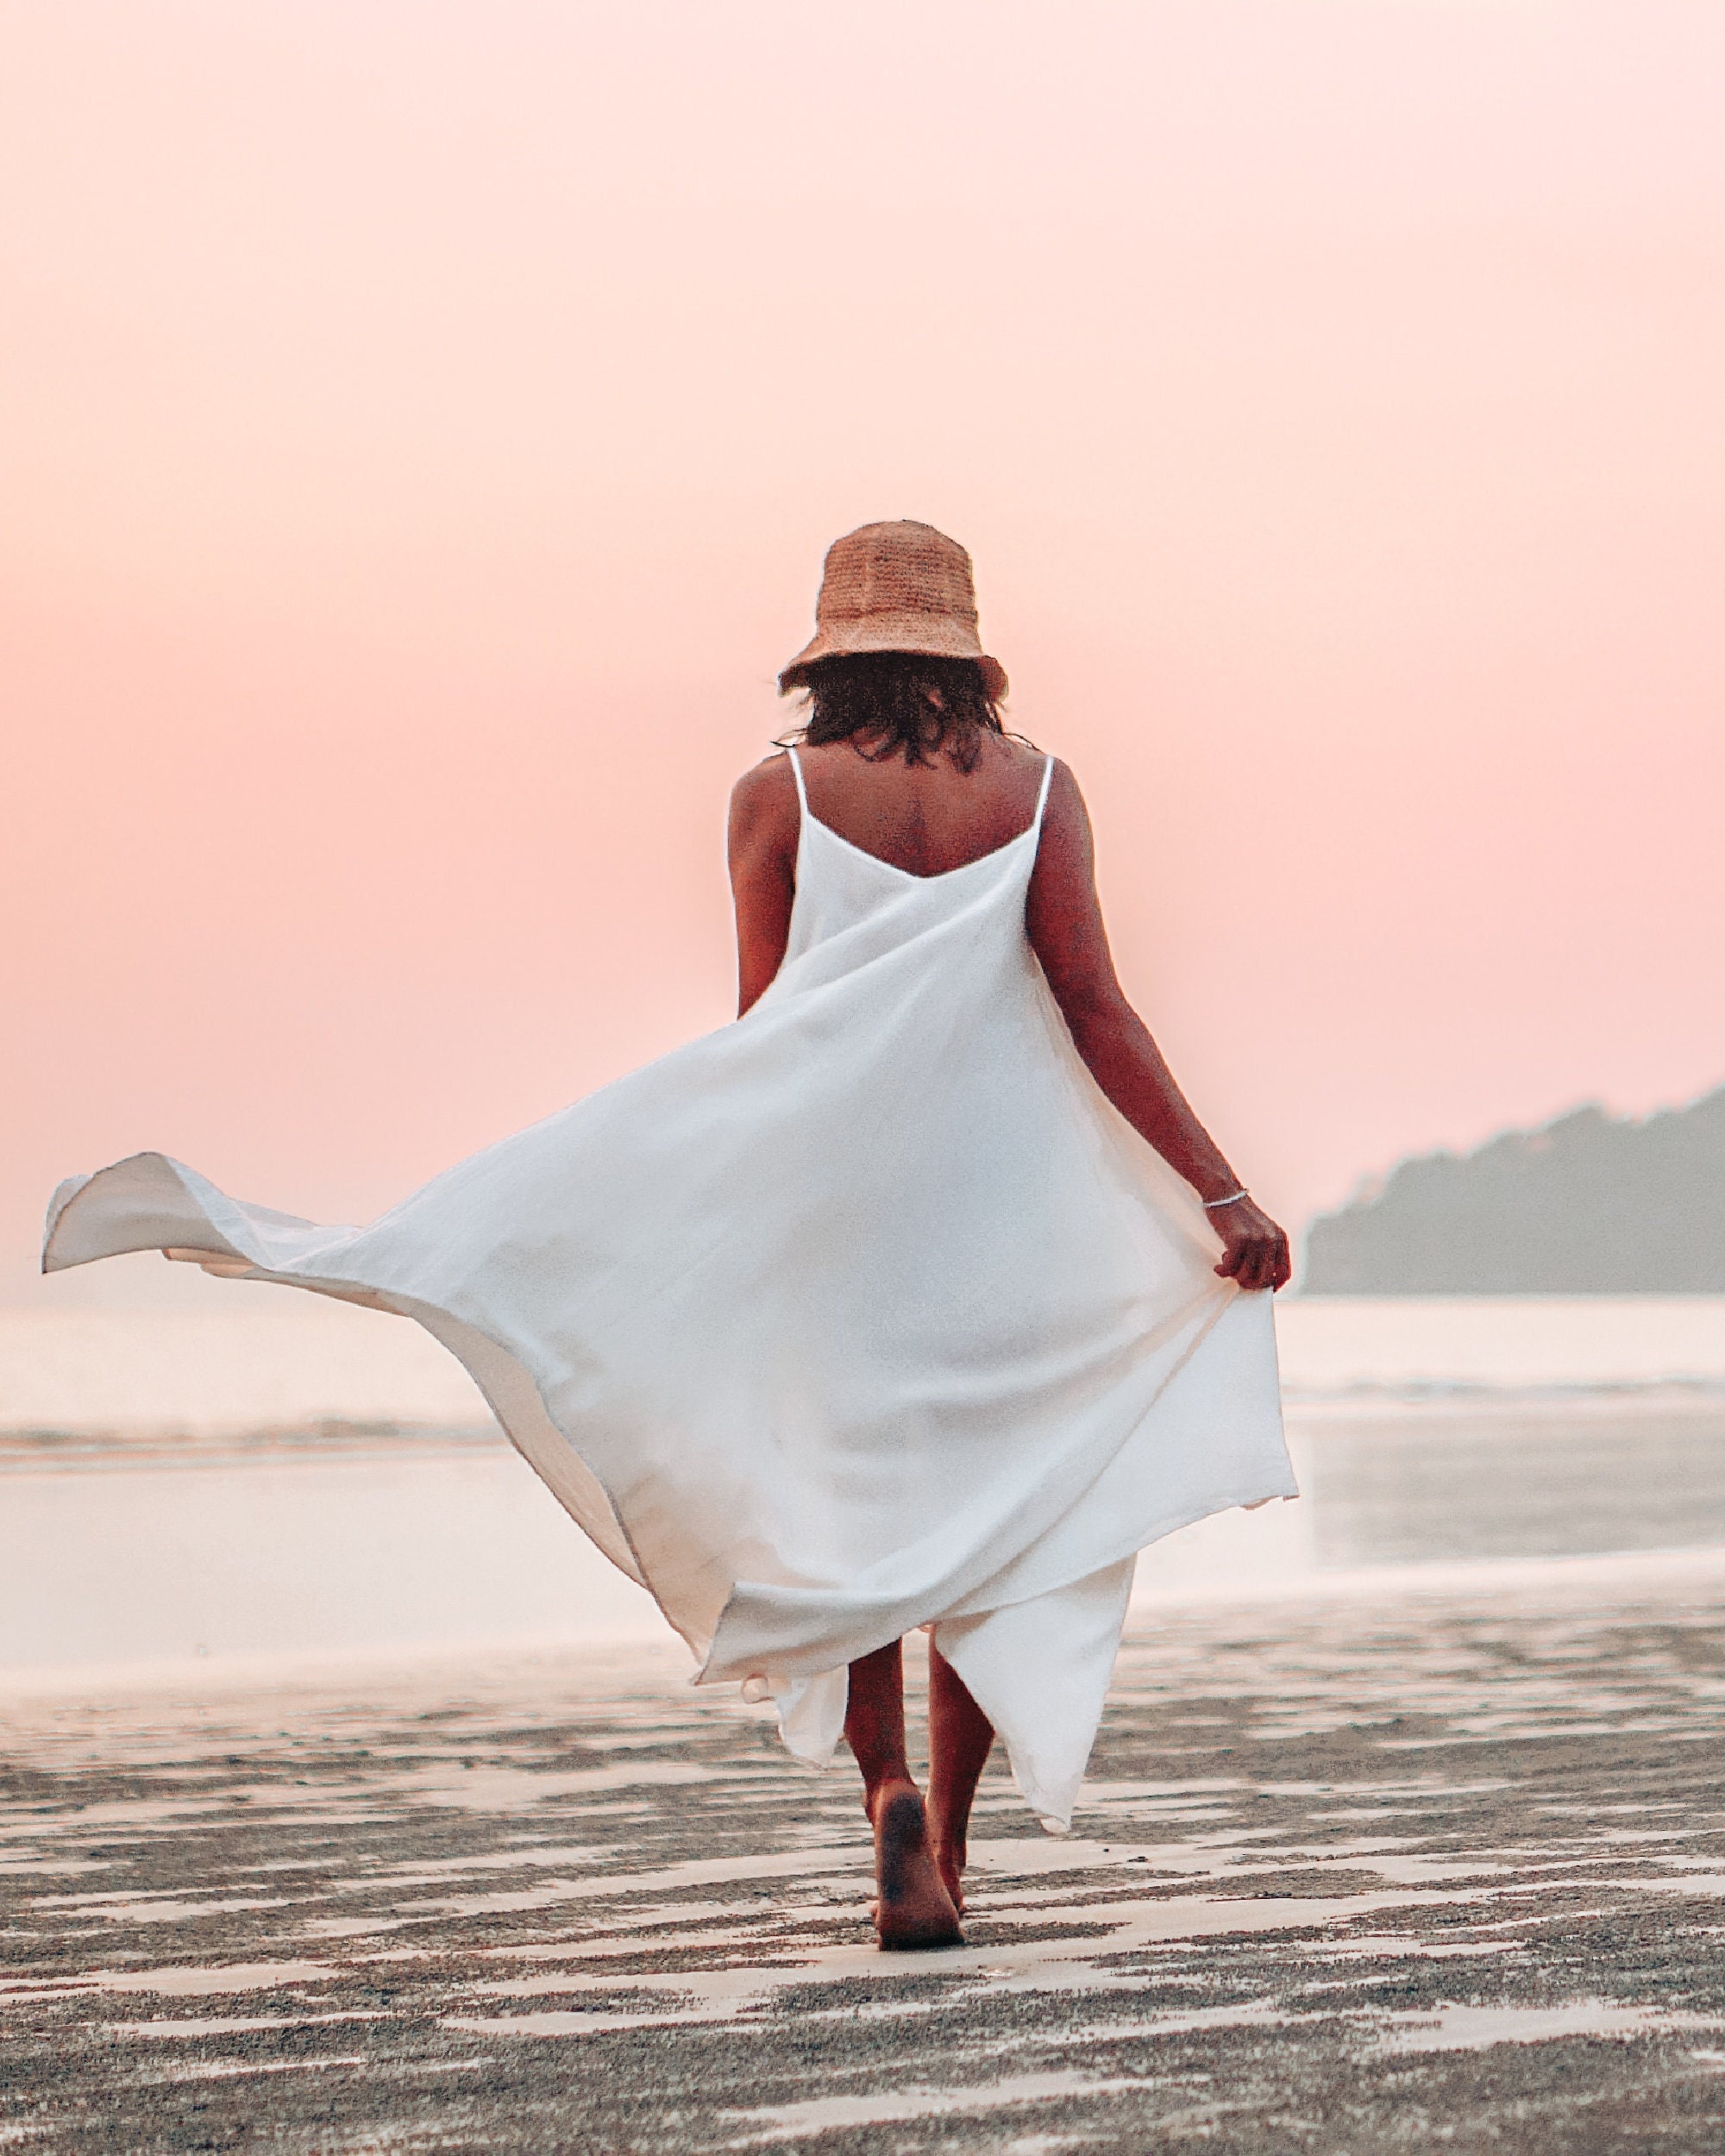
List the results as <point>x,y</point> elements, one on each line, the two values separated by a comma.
<point>1063,918</point>
<point>762,847</point>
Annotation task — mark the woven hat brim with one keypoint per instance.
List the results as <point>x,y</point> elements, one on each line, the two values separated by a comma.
<point>926,635</point>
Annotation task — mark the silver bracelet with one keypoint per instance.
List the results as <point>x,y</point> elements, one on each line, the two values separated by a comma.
<point>1233,1198</point>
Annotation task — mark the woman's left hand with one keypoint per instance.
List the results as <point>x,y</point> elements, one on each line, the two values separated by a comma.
<point>1254,1249</point>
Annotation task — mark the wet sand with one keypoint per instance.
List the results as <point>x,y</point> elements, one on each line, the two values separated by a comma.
<point>1355,1874</point>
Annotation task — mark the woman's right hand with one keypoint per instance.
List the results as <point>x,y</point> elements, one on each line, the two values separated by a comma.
<point>1254,1249</point>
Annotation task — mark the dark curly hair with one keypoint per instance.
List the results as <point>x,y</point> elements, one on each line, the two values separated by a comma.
<point>888,703</point>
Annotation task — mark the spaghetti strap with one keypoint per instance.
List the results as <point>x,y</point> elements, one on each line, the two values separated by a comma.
<point>797,768</point>
<point>1042,797</point>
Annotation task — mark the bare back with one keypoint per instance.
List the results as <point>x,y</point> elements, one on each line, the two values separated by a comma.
<point>926,818</point>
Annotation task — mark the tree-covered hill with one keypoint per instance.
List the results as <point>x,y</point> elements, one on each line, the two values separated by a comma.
<point>1590,1205</point>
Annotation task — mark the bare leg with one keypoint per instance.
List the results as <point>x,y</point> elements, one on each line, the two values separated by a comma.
<point>960,1737</point>
<point>913,1908</point>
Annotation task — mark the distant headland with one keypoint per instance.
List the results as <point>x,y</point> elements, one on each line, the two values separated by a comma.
<point>1590,1205</point>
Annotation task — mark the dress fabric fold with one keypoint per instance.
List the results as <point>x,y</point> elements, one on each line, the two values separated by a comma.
<point>865,1312</point>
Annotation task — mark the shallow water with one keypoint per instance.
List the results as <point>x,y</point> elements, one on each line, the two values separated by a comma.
<point>296,1554</point>
<point>1595,1475</point>
<point>263,1474</point>
<point>384,1543</point>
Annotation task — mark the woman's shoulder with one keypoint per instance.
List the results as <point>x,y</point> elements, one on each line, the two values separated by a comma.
<point>766,781</point>
<point>1029,755</point>
<point>763,801</point>
<point>1040,769</point>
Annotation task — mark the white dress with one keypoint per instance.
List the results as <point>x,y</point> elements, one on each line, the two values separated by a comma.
<point>867,1312</point>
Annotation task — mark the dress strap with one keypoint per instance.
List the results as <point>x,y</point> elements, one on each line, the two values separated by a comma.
<point>796,767</point>
<point>1042,798</point>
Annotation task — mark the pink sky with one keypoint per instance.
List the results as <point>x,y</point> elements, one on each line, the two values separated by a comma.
<point>420,425</point>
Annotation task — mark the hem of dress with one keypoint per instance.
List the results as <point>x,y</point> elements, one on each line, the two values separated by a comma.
<point>1130,1545</point>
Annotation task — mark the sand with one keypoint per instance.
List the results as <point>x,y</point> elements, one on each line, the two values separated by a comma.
<point>1383,1871</point>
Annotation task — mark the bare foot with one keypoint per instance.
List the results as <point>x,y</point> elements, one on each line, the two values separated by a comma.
<point>914,1908</point>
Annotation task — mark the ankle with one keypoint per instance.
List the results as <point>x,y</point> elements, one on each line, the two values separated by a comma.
<point>950,1822</point>
<point>888,1785</point>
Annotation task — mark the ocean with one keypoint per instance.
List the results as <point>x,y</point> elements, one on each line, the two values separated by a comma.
<point>290,1476</point>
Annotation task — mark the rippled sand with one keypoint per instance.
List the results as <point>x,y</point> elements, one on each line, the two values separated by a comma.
<point>1351,1876</point>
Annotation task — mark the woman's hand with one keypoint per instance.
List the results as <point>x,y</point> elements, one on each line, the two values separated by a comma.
<point>1254,1249</point>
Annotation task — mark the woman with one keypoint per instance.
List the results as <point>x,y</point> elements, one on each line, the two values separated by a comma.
<point>919,1297</point>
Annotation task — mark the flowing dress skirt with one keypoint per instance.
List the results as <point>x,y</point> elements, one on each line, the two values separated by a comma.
<point>867,1312</point>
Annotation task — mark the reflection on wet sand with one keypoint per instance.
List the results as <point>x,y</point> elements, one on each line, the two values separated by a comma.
<point>1348,1872</point>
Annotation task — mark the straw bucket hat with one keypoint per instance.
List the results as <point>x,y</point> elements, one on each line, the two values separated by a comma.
<point>901,587</point>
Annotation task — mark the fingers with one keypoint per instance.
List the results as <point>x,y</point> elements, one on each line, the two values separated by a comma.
<point>1257,1259</point>
<point>1234,1257</point>
<point>1274,1265</point>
